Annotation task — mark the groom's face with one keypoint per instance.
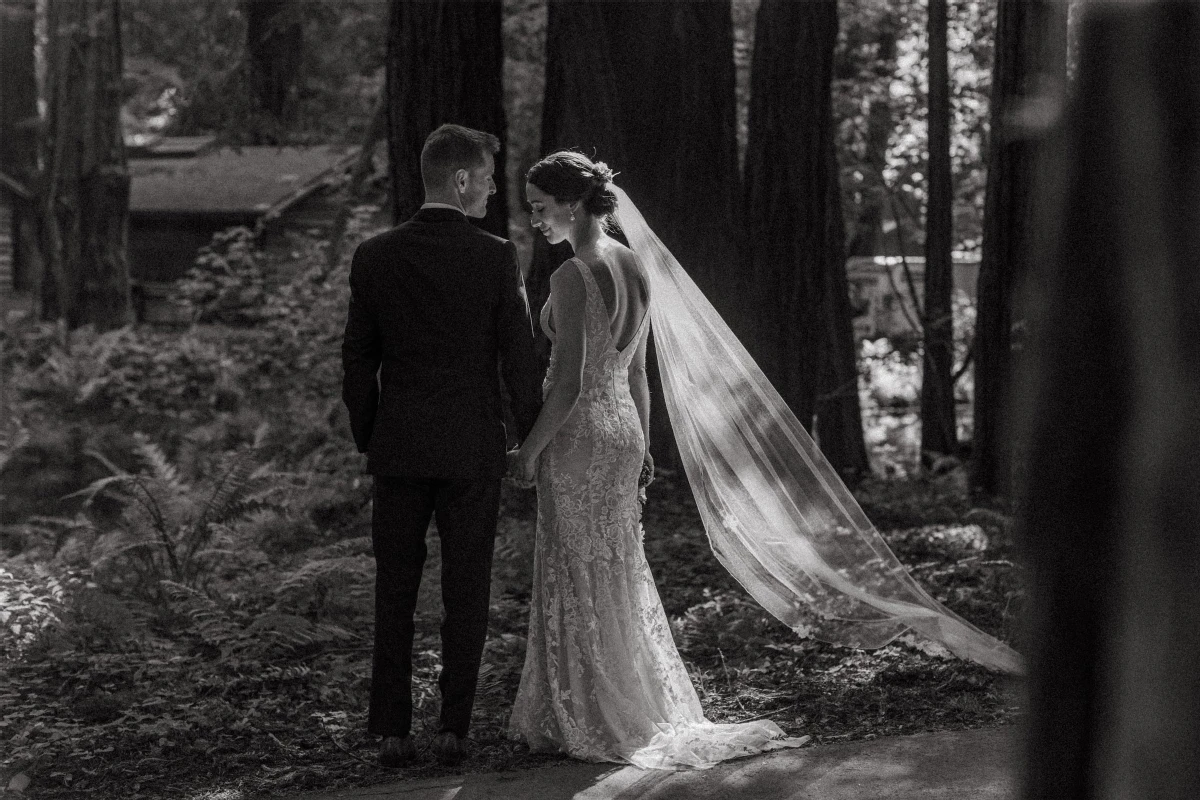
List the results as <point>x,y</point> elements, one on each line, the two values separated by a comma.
<point>476,186</point>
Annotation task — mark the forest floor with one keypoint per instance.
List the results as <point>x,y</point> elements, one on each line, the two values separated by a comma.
<point>173,717</point>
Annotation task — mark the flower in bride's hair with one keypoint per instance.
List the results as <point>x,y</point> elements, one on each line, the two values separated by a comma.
<point>603,173</point>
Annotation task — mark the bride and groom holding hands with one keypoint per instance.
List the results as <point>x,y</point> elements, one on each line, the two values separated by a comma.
<point>434,304</point>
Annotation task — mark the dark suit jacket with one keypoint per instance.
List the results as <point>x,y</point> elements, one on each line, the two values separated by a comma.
<point>433,304</point>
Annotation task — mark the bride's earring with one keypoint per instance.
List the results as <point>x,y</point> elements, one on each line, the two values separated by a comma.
<point>572,216</point>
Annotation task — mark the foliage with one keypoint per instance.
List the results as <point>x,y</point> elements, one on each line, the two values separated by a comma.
<point>890,392</point>
<point>227,283</point>
<point>123,372</point>
<point>189,67</point>
<point>266,685</point>
<point>863,80</point>
<point>189,532</point>
<point>31,600</point>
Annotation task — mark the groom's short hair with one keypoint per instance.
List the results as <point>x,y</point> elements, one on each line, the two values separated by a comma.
<point>451,148</point>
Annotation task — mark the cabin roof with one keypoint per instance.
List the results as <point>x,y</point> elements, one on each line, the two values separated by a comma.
<point>227,182</point>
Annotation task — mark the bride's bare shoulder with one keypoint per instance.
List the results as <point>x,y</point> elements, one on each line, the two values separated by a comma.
<point>626,259</point>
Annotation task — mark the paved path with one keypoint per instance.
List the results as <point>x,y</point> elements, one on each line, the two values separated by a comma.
<point>957,765</point>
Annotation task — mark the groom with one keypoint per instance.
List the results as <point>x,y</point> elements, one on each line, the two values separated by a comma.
<point>433,304</point>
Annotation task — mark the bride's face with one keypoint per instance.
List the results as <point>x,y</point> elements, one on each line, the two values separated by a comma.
<point>547,215</point>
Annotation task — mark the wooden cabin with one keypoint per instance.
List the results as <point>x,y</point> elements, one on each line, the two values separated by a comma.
<point>880,297</point>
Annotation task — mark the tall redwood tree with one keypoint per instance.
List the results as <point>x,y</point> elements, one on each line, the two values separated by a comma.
<point>84,185</point>
<point>795,289</point>
<point>1028,76</point>
<point>18,130</point>
<point>649,89</point>
<point>938,424</point>
<point>444,64</point>
<point>275,44</point>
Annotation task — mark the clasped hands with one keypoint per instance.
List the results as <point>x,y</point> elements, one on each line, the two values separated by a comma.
<point>522,467</point>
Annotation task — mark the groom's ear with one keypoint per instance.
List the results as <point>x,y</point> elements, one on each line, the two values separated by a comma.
<point>462,179</point>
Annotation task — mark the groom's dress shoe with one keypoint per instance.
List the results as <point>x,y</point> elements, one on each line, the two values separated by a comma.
<point>396,751</point>
<point>448,748</point>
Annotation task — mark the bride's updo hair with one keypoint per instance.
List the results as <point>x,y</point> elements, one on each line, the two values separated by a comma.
<point>568,176</point>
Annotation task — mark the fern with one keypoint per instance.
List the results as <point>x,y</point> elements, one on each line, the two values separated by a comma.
<point>161,468</point>
<point>212,623</point>
<point>322,586</point>
<point>180,531</point>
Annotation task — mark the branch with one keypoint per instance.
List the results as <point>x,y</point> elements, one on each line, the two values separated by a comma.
<point>962,370</point>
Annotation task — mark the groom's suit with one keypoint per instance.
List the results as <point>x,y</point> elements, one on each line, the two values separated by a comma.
<point>433,304</point>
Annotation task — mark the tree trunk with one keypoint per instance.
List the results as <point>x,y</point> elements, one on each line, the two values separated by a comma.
<point>867,238</point>
<point>795,278</point>
<point>84,199</point>
<point>838,426</point>
<point>275,42</point>
<point>18,90</point>
<point>938,425</point>
<point>1111,512</point>
<point>445,63</point>
<point>1029,69</point>
<point>648,87</point>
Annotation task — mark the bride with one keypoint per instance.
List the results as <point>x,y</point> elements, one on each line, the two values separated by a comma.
<point>602,679</point>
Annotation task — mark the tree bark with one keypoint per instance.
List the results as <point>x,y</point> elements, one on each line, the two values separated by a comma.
<point>275,42</point>
<point>648,87</point>
<point>795,268</point>
<point>1029,72</point>
<point>838,426</point>
<point>18,90</point>
<point>445,64</point>
<point>1110,515</point>
<point>18,125</point>
<point>84,198</point>
<point>867,238</point>
<point>938,424</point>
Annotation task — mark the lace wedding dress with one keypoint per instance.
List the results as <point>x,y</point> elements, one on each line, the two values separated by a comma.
<point>602,679</point>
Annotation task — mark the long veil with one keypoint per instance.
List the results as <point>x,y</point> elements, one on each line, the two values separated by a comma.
<point>777,515</point>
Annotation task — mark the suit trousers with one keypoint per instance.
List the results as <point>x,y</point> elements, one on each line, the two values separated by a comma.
<point>466,512</point>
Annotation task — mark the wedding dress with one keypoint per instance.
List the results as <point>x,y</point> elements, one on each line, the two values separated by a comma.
<point>602,679</point>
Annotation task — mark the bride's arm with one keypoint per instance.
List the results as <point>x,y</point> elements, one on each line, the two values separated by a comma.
<point>569,296</point>
<point>640,388</point>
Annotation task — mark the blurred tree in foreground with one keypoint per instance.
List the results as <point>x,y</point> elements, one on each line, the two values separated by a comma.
<point>444,64</point>
<point>1028,79</point>
<point>84,183</point>
<point>1111,511</point>
<point>796,289</point>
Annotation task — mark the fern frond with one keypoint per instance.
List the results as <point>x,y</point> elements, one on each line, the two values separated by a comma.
<point>359,545</point>
<point>230,488</point>
<point>89,492</point>
<point>212,623</point>
<point>103,459</point>
<point>114,545</point>
<point>160,466</point>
